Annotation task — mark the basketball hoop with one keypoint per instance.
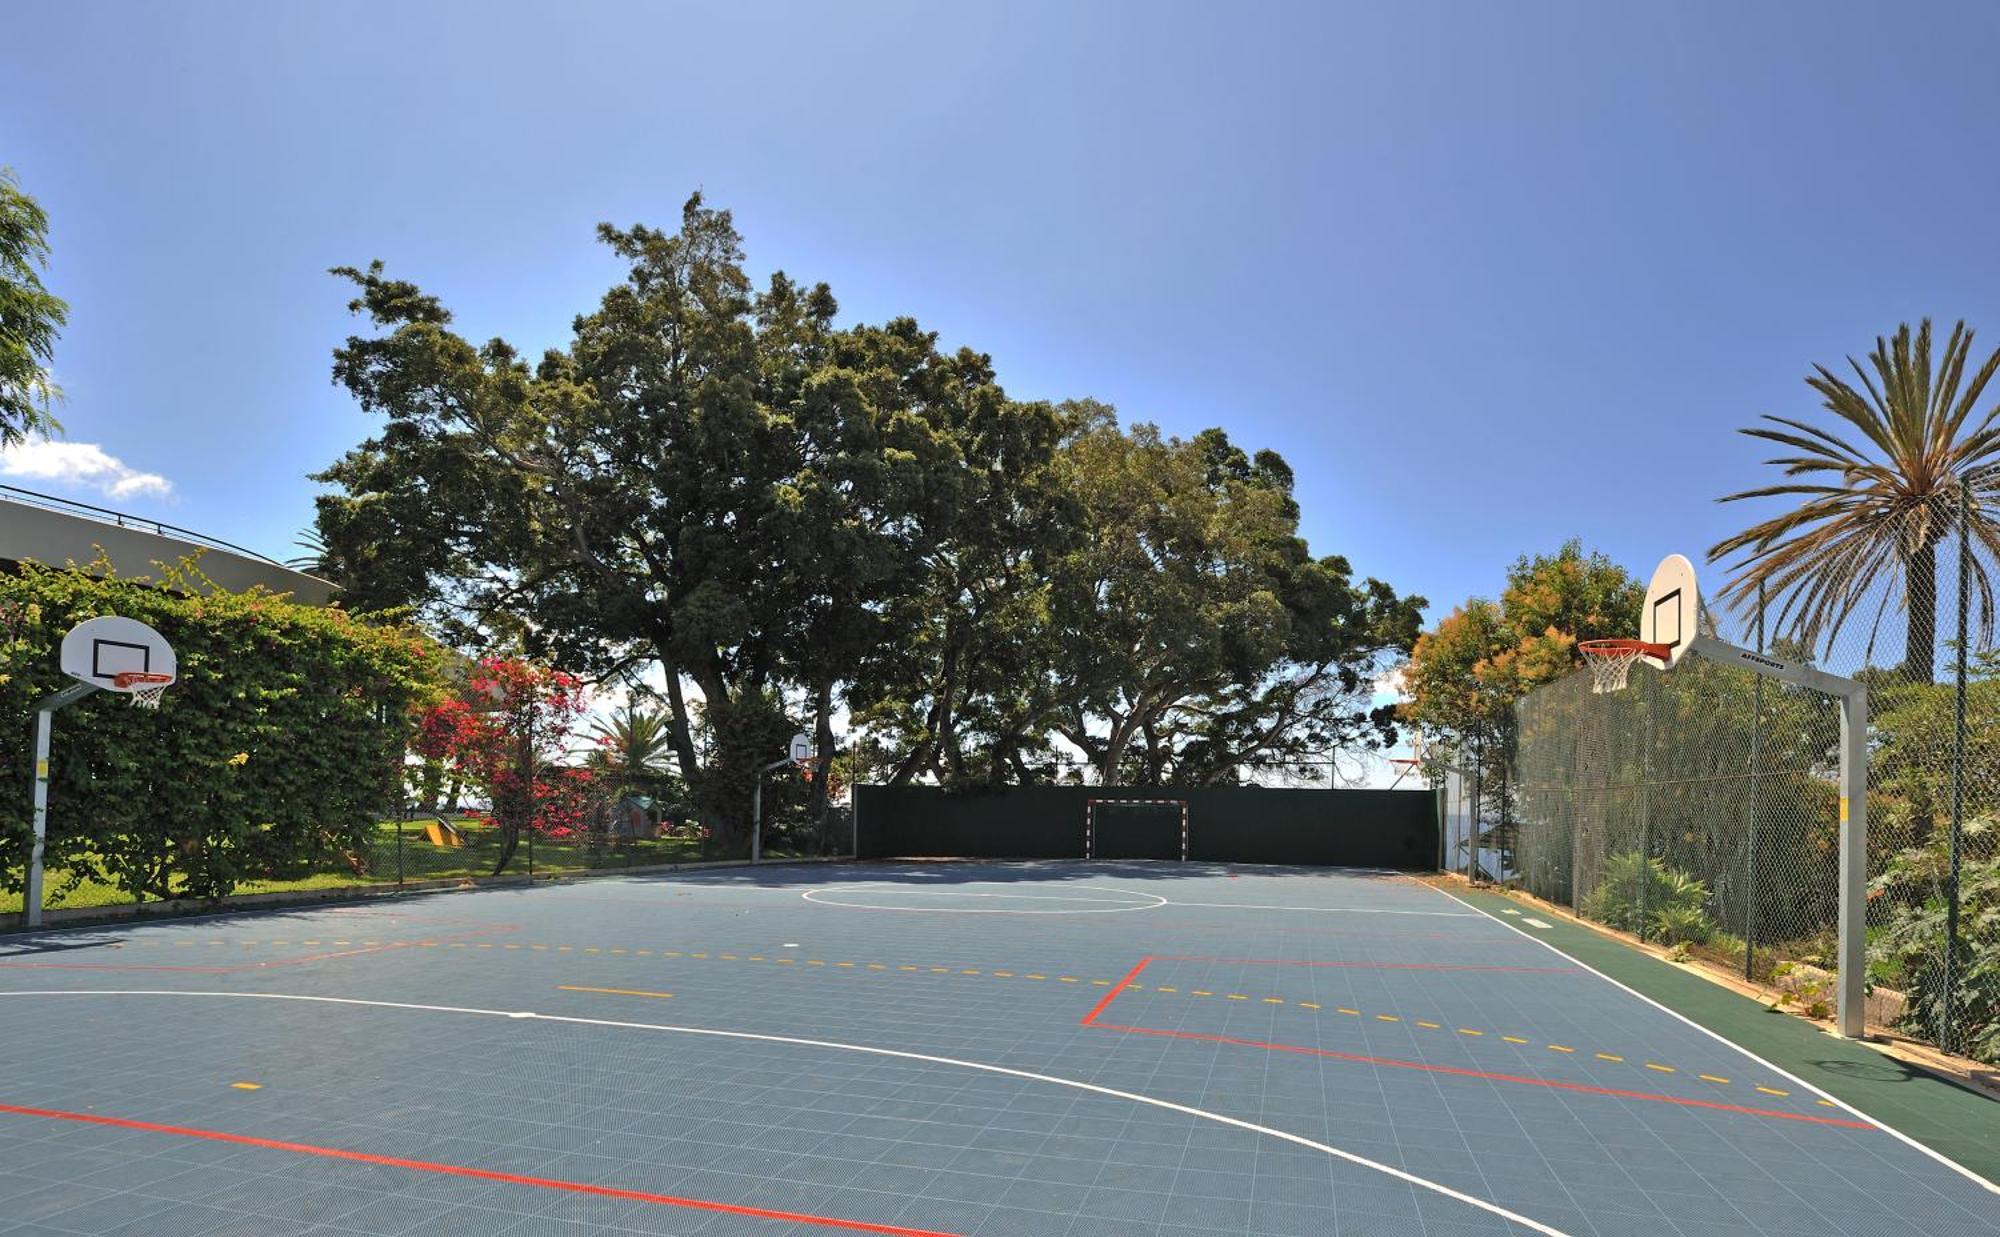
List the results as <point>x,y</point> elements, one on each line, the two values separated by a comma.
<point>145,689</point>
<point>1611,660</point>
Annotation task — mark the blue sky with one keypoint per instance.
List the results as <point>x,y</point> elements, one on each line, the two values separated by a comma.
<point>1489,275</point>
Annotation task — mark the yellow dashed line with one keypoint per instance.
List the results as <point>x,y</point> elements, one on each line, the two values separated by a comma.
<point>1201,992</point>
<point>1513,1039</point>
<point>538,948</point>
<point>877,966</point>
<point>1307,1005</point>
<point>517,947</point>
<point>1237,996</point>
<point>1003,974</point>
<point>1429,1026</point>
<point>1271,1000</point>
<point>1387,1018</point>
<point>1560,1048</point>
<point>1344,1010</point>
<point>1605,1056</point>
<point>1662,1069</point>
<point>1712,1078</point>
<point>1770,1091</point>
<point>248,1086</point>
<point>1037,977</point>
<point>1156,989</point>
<point>814,962</point>
<point>906,968</point>
<point>756,957</point>
<point>616,991</point>
<point>1102,983</point>
<point>836,964</point>
<point>968,971</point>
<point>794,962</point>
<point>1827,1104</point>
<point>1469,1031</point>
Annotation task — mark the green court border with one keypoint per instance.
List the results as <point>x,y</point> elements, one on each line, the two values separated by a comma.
<point>1955,1121</point>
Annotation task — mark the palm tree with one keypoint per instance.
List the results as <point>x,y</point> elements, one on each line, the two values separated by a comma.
<point>633,746</point>
<point>1877,511</point>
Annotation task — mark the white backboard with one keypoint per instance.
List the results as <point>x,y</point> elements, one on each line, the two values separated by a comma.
<point>1672,611</point>
<point>96,650</point>
<point>802,747</point>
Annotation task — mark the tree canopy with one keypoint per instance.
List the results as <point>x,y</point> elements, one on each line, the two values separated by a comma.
<point>1468,670</point>
<point>718,487</point>
<point>30,316</point>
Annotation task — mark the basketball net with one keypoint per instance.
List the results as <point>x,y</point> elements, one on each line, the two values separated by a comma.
<point>145,690</point>
<point>1610,661</point>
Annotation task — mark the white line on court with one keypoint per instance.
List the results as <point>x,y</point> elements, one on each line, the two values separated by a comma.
<point>1720,1038</point>
<point>1296,1139</point>
<point>1104,906</point>
<point>1329,910</point>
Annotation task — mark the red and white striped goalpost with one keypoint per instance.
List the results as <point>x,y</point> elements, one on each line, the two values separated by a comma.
<point>1090,820</point>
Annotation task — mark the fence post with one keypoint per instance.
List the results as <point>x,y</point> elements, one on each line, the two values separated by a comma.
<point>1756,770</point>
<point>1645,790</point>
<point>1472,839</point>
<point>1948,1031</point>
<point>401,818</point>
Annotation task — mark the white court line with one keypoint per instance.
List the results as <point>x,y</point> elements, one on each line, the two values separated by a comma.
<point>1331,910</point>
<point>1106,905</point>
<point>891,886</point>
<point>1134,1097</point>
<point>1720,1038</point>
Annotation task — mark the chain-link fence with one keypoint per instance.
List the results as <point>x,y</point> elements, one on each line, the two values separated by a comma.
<point>1699,808</point>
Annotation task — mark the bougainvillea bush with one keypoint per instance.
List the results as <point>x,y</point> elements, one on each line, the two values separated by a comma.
<point>505,732</point>
<point>275,755</point>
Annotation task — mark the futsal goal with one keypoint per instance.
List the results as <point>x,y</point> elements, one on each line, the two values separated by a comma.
<point>1135,829</point>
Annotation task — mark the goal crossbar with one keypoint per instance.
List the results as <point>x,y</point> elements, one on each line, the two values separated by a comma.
<point>1090,807</point>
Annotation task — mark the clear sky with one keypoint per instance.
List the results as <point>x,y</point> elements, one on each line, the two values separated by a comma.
<point>1489,275</point>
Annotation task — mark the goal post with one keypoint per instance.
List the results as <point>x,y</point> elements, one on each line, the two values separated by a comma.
<point>1172,840</point>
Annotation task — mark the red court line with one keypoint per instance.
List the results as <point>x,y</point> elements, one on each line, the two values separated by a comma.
<point>1091,1017</point>
<point>1379,966</point>
<point>1550,1083</point>
<point>481,1174</point>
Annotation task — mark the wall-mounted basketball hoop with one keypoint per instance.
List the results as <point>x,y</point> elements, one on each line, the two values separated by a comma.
<point>102,654</point>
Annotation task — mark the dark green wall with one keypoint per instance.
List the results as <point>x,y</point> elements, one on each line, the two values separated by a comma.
<point>1226,824</point>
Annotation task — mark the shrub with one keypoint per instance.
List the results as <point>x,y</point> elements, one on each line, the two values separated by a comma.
<point>276,752</point>
<point>1682,925</point>
<point>1617,900</point>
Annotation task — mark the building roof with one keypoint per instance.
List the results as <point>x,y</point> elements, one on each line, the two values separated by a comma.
<point>50,530</point>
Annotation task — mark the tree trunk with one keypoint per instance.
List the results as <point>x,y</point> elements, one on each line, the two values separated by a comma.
<point>680,734</point>
<point>823,746</point>
<point>1920,641</point>
<point>432,783</point>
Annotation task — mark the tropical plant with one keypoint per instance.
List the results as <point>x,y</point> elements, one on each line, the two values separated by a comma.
<point>632,748</point>
<point>30,316</point>
<point>1636,891</point>
<point>1874,509</point>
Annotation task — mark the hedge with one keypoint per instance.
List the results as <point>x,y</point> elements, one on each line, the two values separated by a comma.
<point>273,755</point>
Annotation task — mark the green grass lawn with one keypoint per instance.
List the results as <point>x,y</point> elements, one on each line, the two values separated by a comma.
<point>419,861</point>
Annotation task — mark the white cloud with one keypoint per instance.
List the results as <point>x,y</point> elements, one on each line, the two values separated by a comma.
<point>81,464</point>
<point>1392,686</point>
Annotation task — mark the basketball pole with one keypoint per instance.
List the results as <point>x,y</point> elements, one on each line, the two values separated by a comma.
<point>45,714</point>
<point>1850,1015</point>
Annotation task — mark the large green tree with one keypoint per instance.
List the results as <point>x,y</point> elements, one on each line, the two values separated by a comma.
<point>1199,635</point>
<point>30,316</point>
<point>1877,492</point>
<point>709,479</point>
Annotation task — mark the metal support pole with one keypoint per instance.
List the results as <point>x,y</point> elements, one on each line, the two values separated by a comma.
<point>1948,1030</point>
<point>757,810</point>
<point>1472,839</point>
<point>1644,789</point>
<point>1756,769</point>
<point>1853,944</point>
<point>45,715</point>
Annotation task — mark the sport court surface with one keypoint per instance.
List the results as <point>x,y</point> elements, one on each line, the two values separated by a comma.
<point>990,1050</point>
